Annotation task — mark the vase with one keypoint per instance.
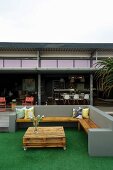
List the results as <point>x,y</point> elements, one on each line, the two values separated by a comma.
<point>35,123</point>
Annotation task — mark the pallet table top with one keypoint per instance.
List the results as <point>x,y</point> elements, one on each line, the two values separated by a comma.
<point>45,132</point>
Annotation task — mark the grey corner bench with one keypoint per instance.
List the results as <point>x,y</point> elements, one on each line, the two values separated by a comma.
<point>99,126</point>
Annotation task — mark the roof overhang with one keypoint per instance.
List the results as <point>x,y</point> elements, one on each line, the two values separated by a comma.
<point>48,71</point>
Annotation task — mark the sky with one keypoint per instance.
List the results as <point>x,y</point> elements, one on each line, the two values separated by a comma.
<point>60,21</point>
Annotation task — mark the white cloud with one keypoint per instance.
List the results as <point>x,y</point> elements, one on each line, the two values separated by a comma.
<point>56,20</point>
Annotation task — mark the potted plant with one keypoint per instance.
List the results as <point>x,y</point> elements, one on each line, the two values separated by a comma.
<point>36,120</point>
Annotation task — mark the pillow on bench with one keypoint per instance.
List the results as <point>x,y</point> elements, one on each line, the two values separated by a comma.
<point>85,113</point>
<point>20,112</point>
<point>77,112</point>
<point>29,113</point>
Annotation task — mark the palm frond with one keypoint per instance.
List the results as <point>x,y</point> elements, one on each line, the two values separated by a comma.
<point>105,71</point>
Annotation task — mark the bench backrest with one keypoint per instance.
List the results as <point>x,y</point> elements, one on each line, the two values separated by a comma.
<point>101,118</point>
<point>55,110</point>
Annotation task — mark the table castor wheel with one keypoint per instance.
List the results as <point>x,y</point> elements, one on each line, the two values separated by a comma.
<point>64,148</point>
<point>25,148</point>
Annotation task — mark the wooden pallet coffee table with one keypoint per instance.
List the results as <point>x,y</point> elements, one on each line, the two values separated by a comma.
<point>45,137</point>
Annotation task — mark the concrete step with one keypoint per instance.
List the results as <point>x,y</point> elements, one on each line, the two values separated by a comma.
<point>2,117</point>
<point>4,124</point>
<point>4,120</point>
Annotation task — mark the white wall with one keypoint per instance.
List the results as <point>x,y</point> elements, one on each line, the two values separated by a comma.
<point>64,54</point>
<point>4,54</point>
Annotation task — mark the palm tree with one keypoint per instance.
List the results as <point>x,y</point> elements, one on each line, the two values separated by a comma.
<point>105,72</point>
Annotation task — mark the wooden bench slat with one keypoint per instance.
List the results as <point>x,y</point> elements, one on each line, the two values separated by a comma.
<point>91,123</point>
<point>59,119</point>
<point>23,120</point>
<point>52,119</point>
<point>85,123</point>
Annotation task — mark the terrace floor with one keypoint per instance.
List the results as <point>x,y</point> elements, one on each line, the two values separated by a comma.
<point>74,157</point>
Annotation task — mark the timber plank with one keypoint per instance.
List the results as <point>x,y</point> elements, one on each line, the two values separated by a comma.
<point>51,119</point>
<point>87,124</point>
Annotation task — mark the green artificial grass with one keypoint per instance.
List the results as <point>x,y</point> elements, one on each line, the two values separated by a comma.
<point>13,157</point>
